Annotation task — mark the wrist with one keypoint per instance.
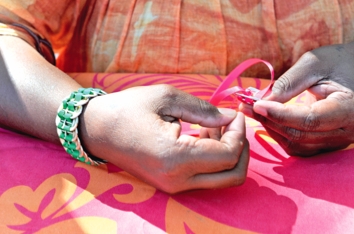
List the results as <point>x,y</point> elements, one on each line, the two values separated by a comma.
<point>92,131</point>
<point>86,128</point>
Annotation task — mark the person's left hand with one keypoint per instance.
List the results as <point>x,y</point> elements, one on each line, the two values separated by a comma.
<point>139,130</point>
<point>326,122</point>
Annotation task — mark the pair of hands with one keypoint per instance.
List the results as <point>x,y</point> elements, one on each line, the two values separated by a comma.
<point>140,129</point>
<point>325,123</point>
<point>137,129</point>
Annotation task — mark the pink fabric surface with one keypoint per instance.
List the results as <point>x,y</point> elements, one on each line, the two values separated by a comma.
<point>43,189</point>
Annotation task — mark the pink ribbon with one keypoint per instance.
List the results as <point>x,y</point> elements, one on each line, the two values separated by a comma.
<point>248,96</point>
<point>245,95</point>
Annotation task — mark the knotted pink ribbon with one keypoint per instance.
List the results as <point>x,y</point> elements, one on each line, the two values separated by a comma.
<point>249,95</point>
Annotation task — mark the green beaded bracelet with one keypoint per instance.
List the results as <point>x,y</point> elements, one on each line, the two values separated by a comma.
<point>67,121</point>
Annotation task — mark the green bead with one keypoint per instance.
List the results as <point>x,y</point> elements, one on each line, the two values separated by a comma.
<point>71,105</point>
<point>64,127</point>
<point>70,145</point>
<point>64,115</point>
<point>87,91</point>
<point>66,136</point>
<point>75,153</point>
<point>79,97</point>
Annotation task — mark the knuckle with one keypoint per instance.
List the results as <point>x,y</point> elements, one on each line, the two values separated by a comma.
<point>279,116</point>
<point>241,175</point>
<point>287,82</point>
<point>231,163</point>
<point>167,98</point>
<point>288,146</point>
<point>309,56</point>
<point>312,57</point>
<point>233,153</point>
<point>207,107</point>
<point>311,122</point>
<point>165,90</point>
<point>282,84</point>
<point>294,135</point>
<point>263,120</point>
<point>164,110</point>
<point>168,188</point>
<point>239,180</point>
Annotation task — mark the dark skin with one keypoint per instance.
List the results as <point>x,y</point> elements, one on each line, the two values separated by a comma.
<point>326,122</point>
<point>136,129</point>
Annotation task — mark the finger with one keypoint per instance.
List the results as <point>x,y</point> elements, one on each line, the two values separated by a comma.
<point>323,115</point>
<point>305,149</point>
<point>233,177</point>
<point>204,133</point>
<point>297,79</point>
<point>246,110</point>
<point>295,135</point>
<point>212,133</point>
<point>208,155</point>
<point>238,125</point>
<point>325,88</point>
<point>191,109</point>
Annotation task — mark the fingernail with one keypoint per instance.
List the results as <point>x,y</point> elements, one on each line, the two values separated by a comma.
<point>228,112</point>
<point>260,110</point>
<point>246,109</point>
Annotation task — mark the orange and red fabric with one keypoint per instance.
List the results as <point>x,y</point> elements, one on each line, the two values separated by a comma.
<point>182,36</point>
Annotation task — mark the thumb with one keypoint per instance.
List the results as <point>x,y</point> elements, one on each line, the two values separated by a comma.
<point>301,76</point>
<point>191,109</point>
<point>210,118</point>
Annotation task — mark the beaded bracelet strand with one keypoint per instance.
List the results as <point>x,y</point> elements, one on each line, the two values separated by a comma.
<point>67,121</point>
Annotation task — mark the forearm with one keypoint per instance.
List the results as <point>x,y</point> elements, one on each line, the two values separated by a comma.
<point>31,89</point>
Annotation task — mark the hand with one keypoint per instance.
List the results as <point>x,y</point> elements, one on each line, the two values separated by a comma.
<point>325,123</point>
<point>138,130</point>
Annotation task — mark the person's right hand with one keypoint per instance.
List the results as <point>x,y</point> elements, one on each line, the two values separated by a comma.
<point>139,130</point>
<point>324,123</point>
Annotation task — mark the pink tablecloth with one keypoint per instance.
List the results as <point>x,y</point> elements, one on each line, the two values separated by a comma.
<point>44,190</point>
